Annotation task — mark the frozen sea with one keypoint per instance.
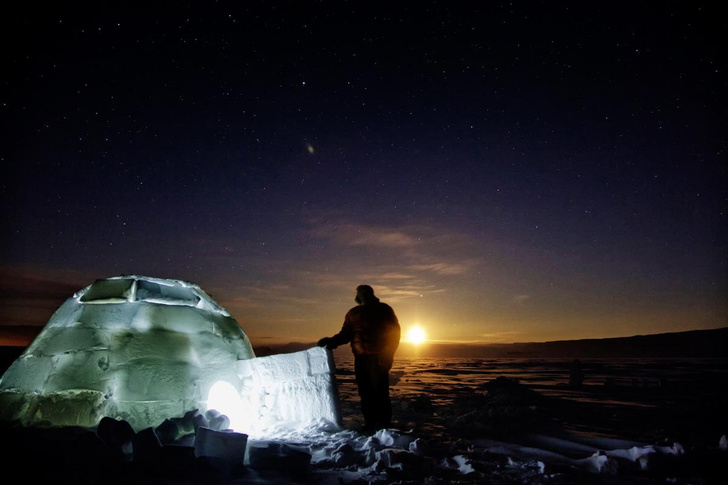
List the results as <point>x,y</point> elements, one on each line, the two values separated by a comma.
<point>630,396</point>
<point>673,410</point>
<point>478,420</point>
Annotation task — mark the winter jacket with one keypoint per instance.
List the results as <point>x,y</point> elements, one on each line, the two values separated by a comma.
<point>371,328</point>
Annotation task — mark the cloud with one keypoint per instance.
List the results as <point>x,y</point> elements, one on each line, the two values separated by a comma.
<point>400,262</point>
<point>331,257</point>
<point>29,295</point>
<point>417,247</point>
<point>241,302</point>
<point>395,276</point>
<point>263,296</point>
<point>499,337</point>
<point>361,235</point>
<point>395,294</point>
<point>523,298</point>
<point>442,268</point>
<point>38,284</point>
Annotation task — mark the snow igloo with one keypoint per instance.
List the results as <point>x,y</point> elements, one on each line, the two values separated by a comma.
<point>146,349</point>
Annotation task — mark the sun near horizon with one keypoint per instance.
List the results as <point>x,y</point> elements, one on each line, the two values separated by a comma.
<point>416,335</point>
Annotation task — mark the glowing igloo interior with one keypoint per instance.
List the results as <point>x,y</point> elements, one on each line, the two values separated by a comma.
<point>145,349</point>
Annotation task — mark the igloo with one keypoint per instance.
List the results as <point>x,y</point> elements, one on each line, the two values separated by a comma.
<point>146,349</point>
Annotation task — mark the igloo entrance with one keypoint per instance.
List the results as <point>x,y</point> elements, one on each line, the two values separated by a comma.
<point>145,349</point>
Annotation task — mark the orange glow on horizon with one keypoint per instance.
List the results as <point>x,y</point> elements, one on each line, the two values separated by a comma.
<point>416,335</point>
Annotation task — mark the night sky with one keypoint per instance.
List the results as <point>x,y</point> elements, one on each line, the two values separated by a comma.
<point>497,171</point>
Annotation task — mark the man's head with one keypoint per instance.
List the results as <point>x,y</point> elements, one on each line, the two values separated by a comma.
<point>364,293</point>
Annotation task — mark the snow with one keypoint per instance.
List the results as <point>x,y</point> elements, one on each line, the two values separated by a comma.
<point>199,447</point>
<point>292,390</point>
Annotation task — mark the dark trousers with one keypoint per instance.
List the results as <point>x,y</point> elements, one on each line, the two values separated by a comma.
<point>373,383</point>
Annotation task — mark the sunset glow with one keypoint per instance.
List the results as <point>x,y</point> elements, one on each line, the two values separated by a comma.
<point>416,335</point>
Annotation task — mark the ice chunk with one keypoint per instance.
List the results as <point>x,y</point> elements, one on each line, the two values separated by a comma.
<point>101,458</point>
<point>181,319</point>
<point>66,314</point>
<point>344,455</point>
<point>68,408</point>
<point>301,401</point>
<point>188,423</point>
<point>601,463</point>
<point>421,446</point>
<point>398,459</point>
<point>28,373</point>
<point>117,434</point>
<point>287,391</point>
<point>281,368</point>
<point>225,445</point>
<point>676,449</point>
<point>109,291</point>
<point>217,420</point>
<point>176,462</point>
<point>135,346</point>
<point>167,432</point>
<point>464,465</point>
<point>17,405</point>
<point>244,368</point>
<point>280,456</point>
<point>166,294</point>
<point>319,361</point>
<point>139,413</point>
<point>146,446</point>
<point>390,437</point>
<point>77,338</point>
<point>105,318</point>
<point>80,370</point>
<point>156,380</point>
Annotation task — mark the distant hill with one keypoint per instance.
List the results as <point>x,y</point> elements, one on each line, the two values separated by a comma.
<point>8,356</point>
<point>18,335</point>
<point>262,351</point>
<point>694,343</point>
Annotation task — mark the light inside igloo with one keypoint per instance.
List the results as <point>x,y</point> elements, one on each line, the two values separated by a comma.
<point>223,397</point>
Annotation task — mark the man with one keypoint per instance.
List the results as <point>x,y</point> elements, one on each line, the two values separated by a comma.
<point>373,331</point>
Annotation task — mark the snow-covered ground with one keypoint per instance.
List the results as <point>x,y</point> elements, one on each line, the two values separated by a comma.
<point>456,420</point>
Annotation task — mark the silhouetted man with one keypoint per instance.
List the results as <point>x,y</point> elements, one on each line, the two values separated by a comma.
<point>373,330</point>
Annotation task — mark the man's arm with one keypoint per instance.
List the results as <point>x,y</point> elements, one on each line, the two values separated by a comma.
<point>392,332</point>
<point>391,340</point>
<point>343,337</point>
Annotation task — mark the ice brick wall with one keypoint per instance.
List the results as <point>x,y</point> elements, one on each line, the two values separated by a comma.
<point>290,391</point>
<point>130,347</point>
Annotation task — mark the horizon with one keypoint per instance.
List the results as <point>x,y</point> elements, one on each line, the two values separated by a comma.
<point>7,340</point>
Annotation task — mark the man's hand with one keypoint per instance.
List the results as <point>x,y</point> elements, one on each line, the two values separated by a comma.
<point>325,342</point>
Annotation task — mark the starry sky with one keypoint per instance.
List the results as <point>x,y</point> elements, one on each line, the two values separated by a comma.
<point>497,171</point>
